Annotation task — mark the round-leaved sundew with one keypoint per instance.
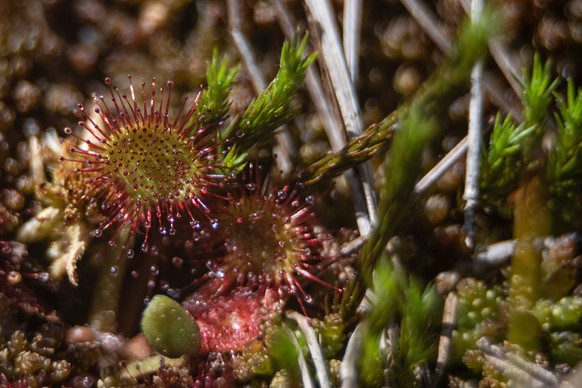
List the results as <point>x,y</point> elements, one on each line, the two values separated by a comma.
<point>143,167</point>
<point>271,240</point>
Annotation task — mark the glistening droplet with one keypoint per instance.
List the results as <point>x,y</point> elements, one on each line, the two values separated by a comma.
<point>114,270</point>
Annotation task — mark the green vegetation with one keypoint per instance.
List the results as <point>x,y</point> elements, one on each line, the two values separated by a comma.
<point>157,243</point>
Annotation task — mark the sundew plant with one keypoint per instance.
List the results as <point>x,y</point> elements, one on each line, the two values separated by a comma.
<point>290,193</point>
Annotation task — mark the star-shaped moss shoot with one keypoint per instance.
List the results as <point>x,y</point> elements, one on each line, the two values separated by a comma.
<point>145,167</point>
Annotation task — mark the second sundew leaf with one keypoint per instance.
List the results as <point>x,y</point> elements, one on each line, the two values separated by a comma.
<point>273,107</point>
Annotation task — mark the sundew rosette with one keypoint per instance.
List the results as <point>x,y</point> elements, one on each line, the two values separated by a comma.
<point>145,166</point>
<point>271,239</point>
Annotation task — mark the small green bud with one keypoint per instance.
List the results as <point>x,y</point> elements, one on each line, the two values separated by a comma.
<point>169,328</point>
